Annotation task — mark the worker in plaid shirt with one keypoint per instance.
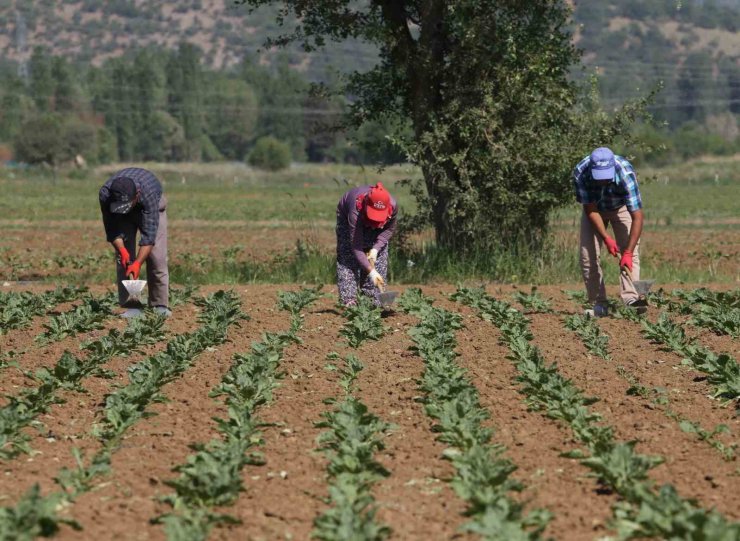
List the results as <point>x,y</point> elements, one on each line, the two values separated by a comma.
<point>606,186</point>
<point>132,200</point>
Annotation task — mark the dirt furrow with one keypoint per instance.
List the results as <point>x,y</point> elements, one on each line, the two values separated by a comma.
<point>533,442</point>
<point>283,496</point>
<point>696,470</point>
<point>415,500</point>
<point>124,502</point>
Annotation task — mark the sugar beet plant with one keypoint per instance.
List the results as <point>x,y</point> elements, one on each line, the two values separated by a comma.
<point>352,437</point>
<point>597,342</point>
<point>17,309</point>
<point>717,311</point>
<point>483,474</point>
<point>533,302</point>
<point>722,369</point>
<point>86,317</point>
<point>590,333</point>
<point>211,477</point>
<point>644,511</point>
<point>219,311</point>
<point>364,322</point>
<point>68,373</point>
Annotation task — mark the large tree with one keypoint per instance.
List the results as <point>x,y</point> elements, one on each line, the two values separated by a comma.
<point>484,84</point>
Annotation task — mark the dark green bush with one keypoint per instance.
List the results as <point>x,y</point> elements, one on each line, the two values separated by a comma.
<point>269,154</point>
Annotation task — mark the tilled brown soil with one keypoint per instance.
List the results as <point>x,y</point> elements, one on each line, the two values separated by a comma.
<point>283,497</point>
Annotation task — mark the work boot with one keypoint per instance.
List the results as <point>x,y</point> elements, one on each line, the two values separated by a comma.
<point>163,311</point>
<point>599,310</point>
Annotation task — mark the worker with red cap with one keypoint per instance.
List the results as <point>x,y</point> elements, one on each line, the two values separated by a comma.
<point>366,221</point>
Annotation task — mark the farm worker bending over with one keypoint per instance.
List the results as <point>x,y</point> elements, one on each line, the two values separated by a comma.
<point>132,200</point>
<point>606,186</point>
<point>366,220</point>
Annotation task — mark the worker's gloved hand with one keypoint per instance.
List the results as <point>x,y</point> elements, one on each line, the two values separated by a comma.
<point>611,245</point>
<point>124,256</point>
<point>372,256</point>
<point>134,269</point>
<point>626,261</point>
<point>377,279</point>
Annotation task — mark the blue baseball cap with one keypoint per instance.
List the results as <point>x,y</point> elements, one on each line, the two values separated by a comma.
<point>602,164</point>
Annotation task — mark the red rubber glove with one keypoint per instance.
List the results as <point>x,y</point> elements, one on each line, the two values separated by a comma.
<point>626,261</point>
<point>124,256</point>
<point>134,269</point>
<point>611,245</point>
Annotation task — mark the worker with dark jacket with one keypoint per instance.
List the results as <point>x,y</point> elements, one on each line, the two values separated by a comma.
<point>131,200</point>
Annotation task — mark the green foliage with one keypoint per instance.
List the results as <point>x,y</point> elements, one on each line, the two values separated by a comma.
<point>32,517</point>
<point>482,476</point>
<point>644,512</point>
<point>534,302</point>
<point>68,373</point>
<point>54,138</point>
<point>83,318</point>
<point>212,476</point>
<point>587,328</point>
<point>722,370</point>
<point>352,438</point>
<point>481,85</point>
<point>364,322</point>
<point>128,404</point>
<point>718,311</point>
<point>269,154</point>
<point>17,309</point>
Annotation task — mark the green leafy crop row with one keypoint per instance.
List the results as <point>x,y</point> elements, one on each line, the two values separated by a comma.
<point>643,510</point>
<point>588,330</point>
<point>17,309</point>
<point>212,476</point>
<point>718,311</point>
<point>363,322</point>
<point>353,435</point>
<point>36,515</point>
<point>83,318</point>
<point>68,373</point>
<point>722,370</point>
<point>482,475</point>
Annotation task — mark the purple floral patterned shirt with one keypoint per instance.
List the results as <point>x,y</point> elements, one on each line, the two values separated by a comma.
<point>347,210</point>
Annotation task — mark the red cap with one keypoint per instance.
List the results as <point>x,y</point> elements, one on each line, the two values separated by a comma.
<point>378,204</point>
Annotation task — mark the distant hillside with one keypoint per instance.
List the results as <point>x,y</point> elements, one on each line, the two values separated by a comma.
<point>692,46</point>
<point>93,31</point>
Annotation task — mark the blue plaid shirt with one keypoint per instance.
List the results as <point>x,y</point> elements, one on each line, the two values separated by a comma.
<point>146,211</point>
<point>623,190</point>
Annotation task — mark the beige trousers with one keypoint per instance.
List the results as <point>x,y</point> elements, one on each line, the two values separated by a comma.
<point>593,277</point>
<point>157,272</point>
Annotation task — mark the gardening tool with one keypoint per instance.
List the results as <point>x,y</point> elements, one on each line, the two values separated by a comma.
<point>641,286</point>
<point>386,297</point>
<point>133,288</point>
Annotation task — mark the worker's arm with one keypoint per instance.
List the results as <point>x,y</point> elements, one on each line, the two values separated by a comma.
<point>144,252</point>
<point>592,213</point>
<point>635,229</point>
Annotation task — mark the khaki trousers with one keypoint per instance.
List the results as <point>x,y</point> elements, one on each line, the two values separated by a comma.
<point>593,277</point>
<point>157,273</point>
